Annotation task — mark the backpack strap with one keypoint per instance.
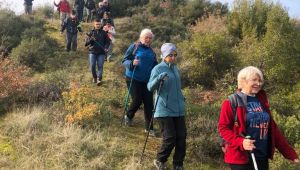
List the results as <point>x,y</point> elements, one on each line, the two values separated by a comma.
<point>235,101</point>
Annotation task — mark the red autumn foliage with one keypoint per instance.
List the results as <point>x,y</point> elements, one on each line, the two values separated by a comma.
<point>12,78</point>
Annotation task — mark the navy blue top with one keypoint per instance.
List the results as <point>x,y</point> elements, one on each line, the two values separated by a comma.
<point>257,124</point>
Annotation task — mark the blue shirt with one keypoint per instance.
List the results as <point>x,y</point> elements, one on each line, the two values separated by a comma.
<point>257,124</point>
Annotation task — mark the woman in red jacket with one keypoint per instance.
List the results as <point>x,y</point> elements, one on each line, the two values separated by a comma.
<point>251,117</point>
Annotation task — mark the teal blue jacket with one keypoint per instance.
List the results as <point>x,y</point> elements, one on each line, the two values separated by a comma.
<point>170,100</point>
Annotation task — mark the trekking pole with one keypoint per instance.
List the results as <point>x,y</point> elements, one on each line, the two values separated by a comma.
<point>158,93</point>
<point>252,155</point>
<point>127,96</point>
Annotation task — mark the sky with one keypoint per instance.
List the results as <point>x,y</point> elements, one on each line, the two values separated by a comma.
<point>292,6</point>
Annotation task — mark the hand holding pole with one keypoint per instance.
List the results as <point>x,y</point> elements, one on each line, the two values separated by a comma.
<point>252,155</point>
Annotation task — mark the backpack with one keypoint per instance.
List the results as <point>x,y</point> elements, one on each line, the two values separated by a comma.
<point>235,101</point>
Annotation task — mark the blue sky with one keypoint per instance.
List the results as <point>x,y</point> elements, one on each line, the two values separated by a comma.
<point>292,6</point>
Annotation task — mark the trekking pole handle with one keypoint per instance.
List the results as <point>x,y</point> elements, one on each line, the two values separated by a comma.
<point>252,156</point>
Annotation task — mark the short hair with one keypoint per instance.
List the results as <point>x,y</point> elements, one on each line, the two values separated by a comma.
<point>246,73</point>
<point>97,20</point>
<point>145,32</point>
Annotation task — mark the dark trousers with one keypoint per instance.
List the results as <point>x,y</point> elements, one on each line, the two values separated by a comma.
<point>71,41</point>
<point>174,133</point>
<point>261,165</point>
<point>79,14</point>
<point>140,94</point>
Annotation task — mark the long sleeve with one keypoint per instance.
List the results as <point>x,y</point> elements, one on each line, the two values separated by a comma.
<point>128,57</point>
<point>226,126</point>
<point>282,144</point>
<point>154,80</point>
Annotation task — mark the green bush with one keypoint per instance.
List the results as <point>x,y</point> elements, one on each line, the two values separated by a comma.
<point>11,28</point>
<point>207,57</point>
<point>46,12</point>
<point>34,52</point>
<point>204,141</point>
<point>48,89</point>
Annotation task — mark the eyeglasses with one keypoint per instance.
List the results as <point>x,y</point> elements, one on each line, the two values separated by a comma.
<point>172,55</point>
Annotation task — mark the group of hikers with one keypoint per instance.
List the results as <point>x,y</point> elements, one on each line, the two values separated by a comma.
<point>248,130</point>
<point>93,11</point>
<point>99,40</point>
<point>250,134</point>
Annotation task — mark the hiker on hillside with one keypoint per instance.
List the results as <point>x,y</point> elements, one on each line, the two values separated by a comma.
<point>139,60</point>
<point>28,7</point>
<point>110,30</point>
<point>107,18</point>
<point>98,42</point>
<point>64,9</point>
<point>72,25</point>
<point>91,9</point>
<point>248,116</point>
<point>170,108</point>
<point>78,6</point>
<point>102,7</point>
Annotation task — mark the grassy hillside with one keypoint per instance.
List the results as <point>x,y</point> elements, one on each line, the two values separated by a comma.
<point>37,137</point>
<point>64,121</point>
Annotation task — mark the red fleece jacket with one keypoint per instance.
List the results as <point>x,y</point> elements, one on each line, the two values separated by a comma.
<point>233,134</point>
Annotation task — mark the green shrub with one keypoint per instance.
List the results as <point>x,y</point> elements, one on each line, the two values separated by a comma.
<point>34,52</point>
<point>204,141</point>
<point>48,89</point>
<point>207,57</point>
<point>46,11</point>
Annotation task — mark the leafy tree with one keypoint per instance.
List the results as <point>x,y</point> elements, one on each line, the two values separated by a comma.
<point>248,18</point>
<point>206,58</point>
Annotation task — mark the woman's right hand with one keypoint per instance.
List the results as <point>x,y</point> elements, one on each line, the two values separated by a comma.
<point>135,62</point>
<point>248,144</point>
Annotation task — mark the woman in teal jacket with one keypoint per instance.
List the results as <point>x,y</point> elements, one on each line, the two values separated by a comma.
<point>170,108</point>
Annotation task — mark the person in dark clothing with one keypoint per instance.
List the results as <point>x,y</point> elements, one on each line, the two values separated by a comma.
<point>98,42</point>
<point>72,25</point>
<point>28,6</point>
<point>170,108</point>
<point>103,7</point>
<point>78,6</point>
<point>138,69</point>
<point>107,19</point>
<point>91,9</point>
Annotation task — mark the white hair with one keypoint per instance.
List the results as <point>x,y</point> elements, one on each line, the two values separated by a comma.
<point>247,73</point>
<point>146,32</point>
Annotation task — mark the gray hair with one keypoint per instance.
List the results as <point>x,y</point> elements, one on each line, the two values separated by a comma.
<point>246,73</point>
<point>145,32</point>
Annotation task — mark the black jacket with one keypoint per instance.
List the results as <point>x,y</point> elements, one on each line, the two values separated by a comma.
<point>98,41</point>
<point>90,4</point>
<point>100,11</point>
<point>71,25</point>
<point>28,2</point>
<point>79,4</point>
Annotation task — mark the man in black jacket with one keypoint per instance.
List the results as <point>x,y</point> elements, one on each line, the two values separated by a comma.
<point>79,5</point>
<point>28,6</point>
<point>98,42</point>
<point>91,9</point>
<point>72,25</point>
